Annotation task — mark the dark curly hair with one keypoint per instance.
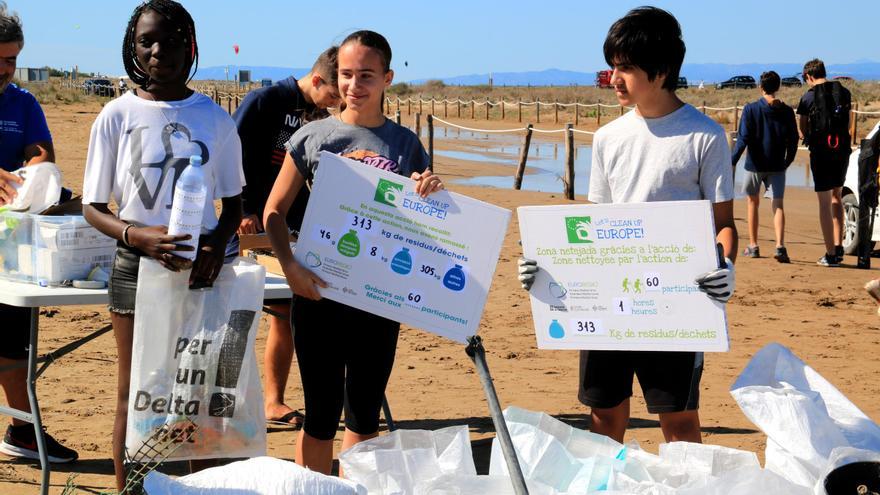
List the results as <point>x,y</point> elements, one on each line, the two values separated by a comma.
<point>179,16</point>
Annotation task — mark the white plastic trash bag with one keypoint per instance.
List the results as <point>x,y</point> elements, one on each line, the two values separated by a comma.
<point>41,187</point>
<point>477,485</point>
<point>803,414</point>
<point>562,457</point>
<point>395,463</point>
<point>257,476</point>
<point>193,360</point>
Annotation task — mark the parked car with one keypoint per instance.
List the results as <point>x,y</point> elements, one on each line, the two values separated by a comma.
<point>99,87</point>
<point>791,82</point>
<point>603,79</point>
<point>850,199</point>
<point>747,82</point>
<point>682,83</point>
<point>842,78</point>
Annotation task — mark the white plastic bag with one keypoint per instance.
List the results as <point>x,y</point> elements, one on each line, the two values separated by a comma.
<point>477,485</point>
<point>558,455</point>
<point>803,415</point>
<point>395,463</point>
<point>257,476</point>
<point>193,358</point>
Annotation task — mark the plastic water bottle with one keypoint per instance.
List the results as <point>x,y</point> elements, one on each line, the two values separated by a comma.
<point>188,206</point>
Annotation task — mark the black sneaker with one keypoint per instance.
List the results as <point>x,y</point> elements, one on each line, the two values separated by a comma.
<point>782,255</point>
<point>838,253</point>
<point>21,441</point>
<point>828,260</point>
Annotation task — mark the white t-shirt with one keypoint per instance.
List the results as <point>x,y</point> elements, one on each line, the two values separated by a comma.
<point>677,157</point>
<point>138,148</point>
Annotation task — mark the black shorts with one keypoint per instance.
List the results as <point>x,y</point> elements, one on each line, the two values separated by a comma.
<point>670,381</point>
<point>345,357</point>
<point>16,332</point>
<point>829,170</point>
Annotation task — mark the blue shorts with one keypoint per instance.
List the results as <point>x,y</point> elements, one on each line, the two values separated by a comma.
<point>773,181</point>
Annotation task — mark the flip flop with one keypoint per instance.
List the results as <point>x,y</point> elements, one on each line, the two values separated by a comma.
<point>288,420</point>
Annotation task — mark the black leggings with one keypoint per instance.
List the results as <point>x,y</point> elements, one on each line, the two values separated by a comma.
<point>345,357</point>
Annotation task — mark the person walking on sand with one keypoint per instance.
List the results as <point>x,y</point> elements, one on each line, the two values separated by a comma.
<point>823,121</point>
<point>769,132</point>
<point>24,140</point>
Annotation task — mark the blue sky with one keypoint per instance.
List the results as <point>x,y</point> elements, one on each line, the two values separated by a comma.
<point>455,37</point>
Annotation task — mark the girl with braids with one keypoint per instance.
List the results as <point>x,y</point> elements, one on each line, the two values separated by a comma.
<point>139,145</point>
<point>345,355</point>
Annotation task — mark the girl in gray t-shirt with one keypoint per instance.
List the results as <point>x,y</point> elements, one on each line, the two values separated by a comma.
<point>345,355</point>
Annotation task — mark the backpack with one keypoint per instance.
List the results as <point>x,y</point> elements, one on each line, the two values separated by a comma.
<point>829,118</point>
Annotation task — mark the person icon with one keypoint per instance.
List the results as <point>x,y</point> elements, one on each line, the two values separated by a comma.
<point>638,286</point>
<point>626,284</point>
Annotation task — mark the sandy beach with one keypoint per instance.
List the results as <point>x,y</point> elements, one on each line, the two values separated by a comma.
<point>822,314</point>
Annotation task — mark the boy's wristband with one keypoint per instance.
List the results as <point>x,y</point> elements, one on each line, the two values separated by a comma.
<point>125,235</point>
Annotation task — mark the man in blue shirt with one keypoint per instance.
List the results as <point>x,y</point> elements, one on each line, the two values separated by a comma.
<point>769,131</point>
<point>24,140</point>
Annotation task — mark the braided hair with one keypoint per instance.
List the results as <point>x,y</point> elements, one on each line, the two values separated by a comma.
<point>179,16</point>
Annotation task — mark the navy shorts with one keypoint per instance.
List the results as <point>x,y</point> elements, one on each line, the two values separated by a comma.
<point>670,380</point>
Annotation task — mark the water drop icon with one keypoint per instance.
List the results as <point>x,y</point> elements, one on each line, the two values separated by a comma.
<point>556,330</point>
<point>402,262</point>
<point>454,278</point>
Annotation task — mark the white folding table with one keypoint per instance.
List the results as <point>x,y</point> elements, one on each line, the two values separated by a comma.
<point>33,296</point>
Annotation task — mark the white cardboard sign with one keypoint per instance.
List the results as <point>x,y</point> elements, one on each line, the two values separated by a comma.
<point>621,276</point>
<point>427,263</point>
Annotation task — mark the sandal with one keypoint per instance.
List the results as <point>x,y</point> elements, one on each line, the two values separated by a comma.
<point>294,420</point>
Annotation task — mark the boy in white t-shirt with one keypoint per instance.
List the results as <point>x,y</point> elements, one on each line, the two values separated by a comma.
<point>663,150</point>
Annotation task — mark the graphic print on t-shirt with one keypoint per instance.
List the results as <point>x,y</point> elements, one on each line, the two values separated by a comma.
<point>167,164</point>
<point>373,159</point>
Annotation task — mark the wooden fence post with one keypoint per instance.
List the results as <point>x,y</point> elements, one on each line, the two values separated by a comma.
<point>502,108</point>
<point>459,107</point>
<point>397,117</point>
<point>704,107</point>
<point>420,103</point>
<point>855,125</point>
<point>430,120</point>
<point>432,105</point>
<point>523,157</point>
<point>577,111</point>
<point>538,110</point>
<point>487,108</point>
<point>736,116</point>
<point>473,107</point>
<point>621,110</point>
<point>599,114</point>
<point>556,112</point>
<point>417,124</point>
<point>229,104</point>
<point>398,104</point>
<point>519,111</point>
<point>409,106</point>
<point>568,179</point>
<point>445,108</point>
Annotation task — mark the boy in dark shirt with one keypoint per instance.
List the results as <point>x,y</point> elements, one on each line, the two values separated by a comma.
<point>266,120</point>
<point>769,132</point>
<point>827,165</point>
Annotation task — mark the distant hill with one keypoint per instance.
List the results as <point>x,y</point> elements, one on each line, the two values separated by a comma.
<point>257,72</point>
<point>862,70</point>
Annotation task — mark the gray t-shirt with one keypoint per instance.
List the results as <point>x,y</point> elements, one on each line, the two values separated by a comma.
<point>677,157</point>
<point>388,147</point>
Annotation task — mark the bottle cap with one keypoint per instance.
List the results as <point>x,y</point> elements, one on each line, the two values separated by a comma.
<point>195,160</point>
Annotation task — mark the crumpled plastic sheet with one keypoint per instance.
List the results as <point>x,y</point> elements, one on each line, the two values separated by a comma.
<point>803,415</point>
<point>395,463</point>
<point>256,476</point>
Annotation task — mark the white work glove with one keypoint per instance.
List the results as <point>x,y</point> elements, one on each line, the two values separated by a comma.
<point>718,284</point>
<point>527,269</point>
